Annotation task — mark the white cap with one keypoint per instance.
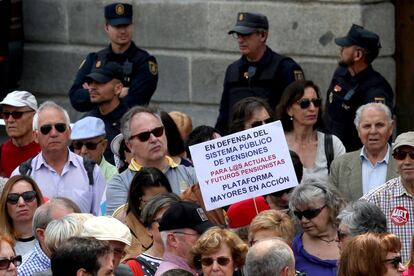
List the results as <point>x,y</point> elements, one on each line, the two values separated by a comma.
<point>106,228</point>
<point>20,99</point>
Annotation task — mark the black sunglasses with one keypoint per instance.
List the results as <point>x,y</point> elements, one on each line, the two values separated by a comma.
<point>144,136</point>
<point>259,123</point>
<point>5,263</point>
<point>309,213</point>
<point>305,103</point>
<point>28,196</point>
<point>395,262</point>
<point>60,127</point>
<point>220,260</point>
<point>15,114</point>
<point>89,145</point>
<point>341,235</point>
<point>401,155</point>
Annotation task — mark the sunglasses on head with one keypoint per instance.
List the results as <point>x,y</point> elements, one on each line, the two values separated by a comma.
<point>401,155</point>
<point>305,103</point>
<point>259,123</point>
<point>395,262</point>
<point>28,196</point>
<point>144,136</point>
<point>309,213</point>
<point>220,260</point>
<point>15,114</point>
<point>60,127</point>
<point>89,145</point>
<point>5,263</point>
<point>341,235</point>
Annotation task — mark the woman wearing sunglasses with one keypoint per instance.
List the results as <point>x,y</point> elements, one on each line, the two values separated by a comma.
<point>372,254</point>
<point>300,112</point>
<point>8,259</point>
<point>20,198</point>
<point>218,252</point>
<point>316,204</point>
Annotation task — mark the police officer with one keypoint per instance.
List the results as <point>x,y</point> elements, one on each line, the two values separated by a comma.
<point>139,68</point>
<point>355,83</point>
<point>260,72</point>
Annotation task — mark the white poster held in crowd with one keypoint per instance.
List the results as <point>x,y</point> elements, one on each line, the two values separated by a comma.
<point>243,165</point>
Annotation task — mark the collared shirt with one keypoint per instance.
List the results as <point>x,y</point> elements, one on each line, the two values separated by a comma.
<point>397,205</point>
<point>35,261</point>
<point>108,170</point>
<point>171,261</point>
<point>373,176</point>
<point>72,183</point>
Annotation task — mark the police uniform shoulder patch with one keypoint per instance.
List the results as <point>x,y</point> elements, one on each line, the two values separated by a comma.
<point>153,67</point>
<point>379,100</point>
<point>98,64</point>
<point>298,75</point>
<point>119,9</point>
<point>81,65</point>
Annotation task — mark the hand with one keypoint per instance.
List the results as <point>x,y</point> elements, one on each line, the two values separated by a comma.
<point>124,92</point>
<point>85,85</point>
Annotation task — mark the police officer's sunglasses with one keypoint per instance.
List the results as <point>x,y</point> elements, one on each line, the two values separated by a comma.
<point>305,103</point>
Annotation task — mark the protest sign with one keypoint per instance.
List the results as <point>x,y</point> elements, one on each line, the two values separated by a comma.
<point>243,165</point>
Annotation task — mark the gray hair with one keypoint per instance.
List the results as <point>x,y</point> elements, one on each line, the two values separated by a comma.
<point>43,214</point>
<point>268,258</point>
<point>378,106</point>
<point>312,189</point>
<point>47,105</point>
<point>155,204</point>
<point>126,119</point>
<point>164,236</point>
<point>362,216</point>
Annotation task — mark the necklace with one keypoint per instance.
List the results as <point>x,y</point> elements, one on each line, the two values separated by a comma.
<point>327,241</point>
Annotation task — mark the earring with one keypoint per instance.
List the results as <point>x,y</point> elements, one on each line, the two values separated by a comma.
<point>291,118</point>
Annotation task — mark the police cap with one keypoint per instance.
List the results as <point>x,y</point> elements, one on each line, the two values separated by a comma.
<point>359,36</point>
<point>106,73</point>
<point>118,14</point>
<point>248,23</point>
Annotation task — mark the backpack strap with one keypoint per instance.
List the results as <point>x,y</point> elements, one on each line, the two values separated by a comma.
<point>25,168</point>
<point>135,267</point>
<point>329,153</point>
<point>89,166</point>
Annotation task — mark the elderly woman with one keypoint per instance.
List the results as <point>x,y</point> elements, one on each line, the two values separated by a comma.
<point>8,259</point>
<point>371,254</point>
<point>20,198</point>
<point>316,204</point>
<point>300,112</point>
<point>218,252</point>
<point>149,261</point>
<point>358,218</point>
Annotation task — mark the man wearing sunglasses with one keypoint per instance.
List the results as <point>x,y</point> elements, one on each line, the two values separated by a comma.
<point>89,141</point>
<point>355,83</point>
<point>395,197</point>
<point>18,109</point>
<point>58,171</point>
<point>145,137</point>
<point>260,72</point>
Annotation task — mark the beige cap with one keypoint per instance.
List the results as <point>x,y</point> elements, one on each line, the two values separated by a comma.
<point>106,228</point>
<point>404,139</point>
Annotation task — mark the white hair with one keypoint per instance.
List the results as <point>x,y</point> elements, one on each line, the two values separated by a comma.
<point>377,106</point>
<point>47,105</point>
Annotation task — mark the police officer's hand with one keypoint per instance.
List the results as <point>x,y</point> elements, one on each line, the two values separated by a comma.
<point>85,85</point>
<point>124,92</point>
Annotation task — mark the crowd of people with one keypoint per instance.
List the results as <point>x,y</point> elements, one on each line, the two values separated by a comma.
<point>116,192</point>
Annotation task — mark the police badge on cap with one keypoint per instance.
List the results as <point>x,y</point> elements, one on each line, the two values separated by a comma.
<point>118,14</point>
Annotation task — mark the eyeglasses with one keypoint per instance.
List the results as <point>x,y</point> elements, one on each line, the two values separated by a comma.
<point>184,233</point>
<point>401,155</point>
<point>5,263</point>
<point>60,127</point>
<point>259,123</point>
<point>89,145</point>
<point>220,260</point>
<point>305,103</point>
<point>15,114</point>
<point>28,196</point>
<point>342,235</point>
<point>395,262</point>
<point>144,136</point>
<point>309,213</point>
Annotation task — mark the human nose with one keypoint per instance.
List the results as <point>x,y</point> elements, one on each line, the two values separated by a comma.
<point>215,265</point>
<point>20,201</point>
<point>84,149</point>
<point>12,267</point>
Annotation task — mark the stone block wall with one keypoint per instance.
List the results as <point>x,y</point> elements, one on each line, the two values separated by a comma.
<point>189,39</point>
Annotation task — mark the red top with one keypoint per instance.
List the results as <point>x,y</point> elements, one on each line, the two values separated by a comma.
<point>12,156</point>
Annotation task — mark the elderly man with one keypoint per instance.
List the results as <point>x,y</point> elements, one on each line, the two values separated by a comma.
<point>355,83</point>
<point>140,72</point>
<point>358,172</point>
<point>58,171</point>
<point>89,141</point>
<point>270,257</point>
<point>145,137</point>
<point>18,109</point>
<point>395,197</point>
<point>39,258</point>
<point>260,72</point>
<point>180,227</point>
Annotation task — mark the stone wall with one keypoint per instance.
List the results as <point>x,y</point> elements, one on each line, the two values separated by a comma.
<point>189,39</point>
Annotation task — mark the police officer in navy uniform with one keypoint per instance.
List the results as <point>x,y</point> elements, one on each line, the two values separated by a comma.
<point>355,83</point>
<point>139,68</point>
<point>260,72</point>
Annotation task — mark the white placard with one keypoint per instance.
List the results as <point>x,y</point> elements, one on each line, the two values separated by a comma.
<point>243,165</point>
